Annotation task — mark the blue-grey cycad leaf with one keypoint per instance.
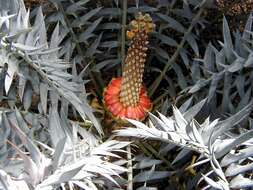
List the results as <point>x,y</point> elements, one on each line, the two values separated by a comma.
<point>59,154</point>
<point>27,141</point>
<point>248,27</point>
<point>56,131</point>
<point>105,64</point>
<point>220,59</point>
<point>86,34</point>
<point>172,23</point>
<point>110,145</point>
<point>240,182</point>
<point>212,183</point>
<point>168,125</point>
<point>200,84</point>
<point>233,120</point>
<point>62,74</point>
<point>146,163</point>
<point>180,121</point>
<point>235,157</point>
<point>82,107</point>
<point>186,11</point>
<point>214,85</point>
<point>189,132</point>
<point>234,143</point>
<point>43,96</point>
<point>78,6</point>
<point>228,44</point>
<point>21,122</point>
<point>180,76</point>
<point>236,65</point>
<point>159,51</point>
<point>165,148</point>
<point>143,131</point>
<point>63,174</point>
<point>193,43</point>
<point>36,156</point>
<point>226,101</point>
<point>166,39</point>
<point>39,22</point>
<point>33,170</point>
<point>109,26</point>
<point>16,23</point>
<point>144,8</point>
<point>194,110</point>
<point>245,100</point>
<point>239,82</point>
<point>235,169</point>
<point>109,44</point>
<point>185,105</point>
<point>4,19</point>
<point>24,47</point>
<point>239,46</point>
<point>156,122</point>
<point>12,69</point>
<point>78,22</point>
<point>57,65</point>
<point>56,79</point>
<point>6,127</point>
<point>27,98</point>
<point>209,58</point>
<point>8,183</point>
<point>197,135</point>
<point>147,176</point>
<point>249,61</point>
<point>54,41</point>
<point>166,104</point>
<point>167,122</point>
<point>184,56</point>
<point>182,154</point>
<point>93,48</point>
<point>12,97</point>
<point>216,167</point>
<point>111,12</point>
<point>34,80</point>
<point>90,138</point>
<point>23,73</point>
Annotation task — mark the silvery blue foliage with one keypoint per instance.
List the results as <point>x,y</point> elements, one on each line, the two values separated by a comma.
<point>225,71</point>
<point>213,140</point>
<point>45,150</point>
<point>73,161</point>
<point>47,136</point>
<point>40,70</point>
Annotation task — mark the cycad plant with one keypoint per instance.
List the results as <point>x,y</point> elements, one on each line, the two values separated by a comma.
<point>63,73</point>
<point>39,137</point>
<point>209,139</point>
<point>224,144</point>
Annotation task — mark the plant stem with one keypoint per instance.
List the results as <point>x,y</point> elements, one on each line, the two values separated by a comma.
<point>172,60</point>
<point>129,168</point>
<point>123,33</point>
